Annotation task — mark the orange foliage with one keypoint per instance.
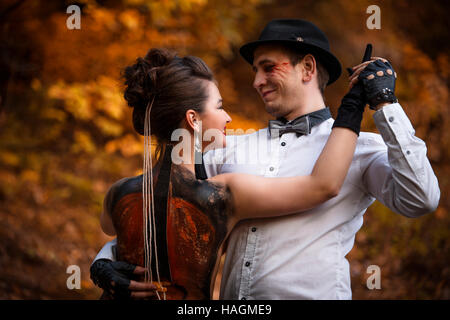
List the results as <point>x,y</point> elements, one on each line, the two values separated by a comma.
<point>66,133</point>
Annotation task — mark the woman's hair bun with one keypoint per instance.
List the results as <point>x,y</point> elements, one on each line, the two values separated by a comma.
<point>172,84</point>
<point>141,77</point>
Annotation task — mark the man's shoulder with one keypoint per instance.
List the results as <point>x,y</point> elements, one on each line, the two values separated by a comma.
<point>240,141</point>
<point>242,138</point>
<point>369,142</point>
<point>323,131</point>
<point>368,138</point>
<point>238,148</point>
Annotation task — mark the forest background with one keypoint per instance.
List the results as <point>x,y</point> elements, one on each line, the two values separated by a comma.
<point>66,133</point>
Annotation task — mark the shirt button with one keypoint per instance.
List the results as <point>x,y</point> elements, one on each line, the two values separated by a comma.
<point>253,229</point>
<point>243,298</point>
<point>247,264</point>
<point>391,119</point>
<point>271,168</point>
<point>408,152</point>
<point>283,143</point>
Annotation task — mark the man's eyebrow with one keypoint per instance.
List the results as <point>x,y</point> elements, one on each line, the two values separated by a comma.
<point>264,61</point>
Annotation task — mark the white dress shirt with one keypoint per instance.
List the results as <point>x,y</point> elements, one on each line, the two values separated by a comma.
<point>302,256</point>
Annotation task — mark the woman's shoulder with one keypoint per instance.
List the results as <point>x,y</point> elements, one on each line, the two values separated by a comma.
<point>211,195</point>
<point>121,188</point>
<point>126,184</point>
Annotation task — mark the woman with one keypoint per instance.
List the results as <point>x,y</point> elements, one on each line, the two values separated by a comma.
<point>180,240</point>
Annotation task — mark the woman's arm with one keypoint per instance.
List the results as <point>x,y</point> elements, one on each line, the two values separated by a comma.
<point>258,197</point>
<point>107,225</point>
<point>105,218</point>
<point>255,196</point>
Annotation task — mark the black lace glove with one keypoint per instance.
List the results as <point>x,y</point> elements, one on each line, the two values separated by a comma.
<point>378,80</point>
<point>351,111</point>
<point>113,276</point>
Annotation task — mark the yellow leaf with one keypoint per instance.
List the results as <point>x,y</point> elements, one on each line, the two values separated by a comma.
<point>29,175</point>
<point>108,127</point>
<point>9,158</point>
<point>83,142</point>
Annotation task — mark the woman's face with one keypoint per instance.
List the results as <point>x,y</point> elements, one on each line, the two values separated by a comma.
<point>213,119</point>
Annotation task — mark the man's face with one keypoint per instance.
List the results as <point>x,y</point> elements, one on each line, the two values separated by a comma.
<point>276,80</point>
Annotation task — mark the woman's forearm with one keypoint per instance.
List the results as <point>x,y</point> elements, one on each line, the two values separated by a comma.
<point>331,167</point>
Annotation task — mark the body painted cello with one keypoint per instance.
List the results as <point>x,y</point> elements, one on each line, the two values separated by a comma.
<point>191,218</point>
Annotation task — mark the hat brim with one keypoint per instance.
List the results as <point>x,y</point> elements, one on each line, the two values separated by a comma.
<point>328,60</point>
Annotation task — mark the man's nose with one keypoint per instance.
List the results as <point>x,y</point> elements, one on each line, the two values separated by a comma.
<point>259,80</point>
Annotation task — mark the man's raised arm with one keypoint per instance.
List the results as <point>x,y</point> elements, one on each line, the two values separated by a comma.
<point>403,180</point>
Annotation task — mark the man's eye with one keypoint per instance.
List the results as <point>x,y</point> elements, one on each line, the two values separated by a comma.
<point>268,68</point>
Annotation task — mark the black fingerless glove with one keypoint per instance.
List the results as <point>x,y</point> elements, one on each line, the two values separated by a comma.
<point>378,80</point>
<point>351,111</point>
<point>113,277</point>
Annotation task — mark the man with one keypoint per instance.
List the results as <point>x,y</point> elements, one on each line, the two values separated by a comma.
<point>302,256</point>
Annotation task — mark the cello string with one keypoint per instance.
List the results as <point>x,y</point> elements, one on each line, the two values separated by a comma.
<point>150,228</point>
<point>145,190</point>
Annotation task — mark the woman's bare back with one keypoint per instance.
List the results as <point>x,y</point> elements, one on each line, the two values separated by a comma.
<point>189,232</point>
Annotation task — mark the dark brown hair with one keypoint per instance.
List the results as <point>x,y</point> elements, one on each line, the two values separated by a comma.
<point>296,57</point>
<point>174,84</point>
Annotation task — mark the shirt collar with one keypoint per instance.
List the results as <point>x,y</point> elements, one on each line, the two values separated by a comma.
<point>315,117</point>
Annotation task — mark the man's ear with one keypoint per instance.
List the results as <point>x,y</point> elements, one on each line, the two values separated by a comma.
<point>309,67</point>
<point>192,119</point>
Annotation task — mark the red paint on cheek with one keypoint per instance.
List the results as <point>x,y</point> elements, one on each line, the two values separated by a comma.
<point>280,69</point>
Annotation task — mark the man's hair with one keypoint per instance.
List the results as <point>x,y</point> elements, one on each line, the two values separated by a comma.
<point>296,56</point>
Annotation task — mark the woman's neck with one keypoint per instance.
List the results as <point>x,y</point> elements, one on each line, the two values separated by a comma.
<point>187,160</point>
<point>183,153</point>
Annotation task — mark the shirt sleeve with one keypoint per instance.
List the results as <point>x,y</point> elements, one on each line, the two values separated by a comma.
<point>211,167</point>
<point>108,251</point>
<point>214,159</point>
<point>404,181</point>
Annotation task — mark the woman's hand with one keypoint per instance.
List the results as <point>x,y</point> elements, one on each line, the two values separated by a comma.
<point>351,110</point>
<point>115,278</point>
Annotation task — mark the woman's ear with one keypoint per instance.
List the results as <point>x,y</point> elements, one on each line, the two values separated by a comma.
<point>309,67</point>
<point>192,119</point>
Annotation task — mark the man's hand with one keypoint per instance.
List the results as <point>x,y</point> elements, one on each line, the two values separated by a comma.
<point>115,277</point>
<point>378,79</point>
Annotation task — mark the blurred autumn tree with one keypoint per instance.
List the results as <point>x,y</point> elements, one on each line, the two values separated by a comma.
<point>66,133</point>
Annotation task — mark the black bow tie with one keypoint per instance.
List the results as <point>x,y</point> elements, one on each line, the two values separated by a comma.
<point>301,126</point>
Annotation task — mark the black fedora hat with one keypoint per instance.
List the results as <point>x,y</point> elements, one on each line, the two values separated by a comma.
<point>299,34</point>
